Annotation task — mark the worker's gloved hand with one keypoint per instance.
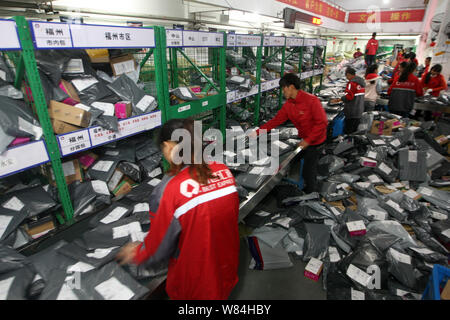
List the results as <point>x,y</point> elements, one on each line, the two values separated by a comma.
<point>303,144</point>
<point>429,91</point>
<point>127,253</point>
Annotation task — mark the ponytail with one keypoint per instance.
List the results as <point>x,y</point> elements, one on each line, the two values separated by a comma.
<point>407,71</point>
<point>436,68</point>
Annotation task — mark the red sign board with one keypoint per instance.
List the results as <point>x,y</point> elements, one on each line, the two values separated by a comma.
<point>318,7</point>
<point>387,16</point>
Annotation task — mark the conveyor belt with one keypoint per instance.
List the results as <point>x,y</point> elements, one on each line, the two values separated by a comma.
<point>421,106</point>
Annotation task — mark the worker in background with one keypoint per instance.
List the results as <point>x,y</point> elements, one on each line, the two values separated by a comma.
<point>427,67</point>
<point>403,90</point>
<point>397,71</point>
<point>400,55</point>
<point>195,226</point>
<point>353,100</point>
<point>373,87</point>
<point>433,83</point>
<point>357,54</point>
<point>305,111</point>
<point>371,49</point>
<point>412,58</point>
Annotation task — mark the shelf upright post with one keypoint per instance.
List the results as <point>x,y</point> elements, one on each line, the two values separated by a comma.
<point>34,80</point>
<point>324,60</point>
<point>223,87</point>
<point>162,83</point>
<point>312,78</point>
<point>258,81</point>
<point>283,56</point>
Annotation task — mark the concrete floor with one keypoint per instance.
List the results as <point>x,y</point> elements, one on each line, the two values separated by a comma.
<point>280,284</point>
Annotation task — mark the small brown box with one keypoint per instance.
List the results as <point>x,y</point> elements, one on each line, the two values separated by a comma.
<point>98,55</point>
<point>123,64</point>
<point>445,294</point>
<point>72,172</point>
<point>60,127</point>
<point>69,114</point>
<point>381,128</point>
<point>442,140</point>
<point>69,89</point>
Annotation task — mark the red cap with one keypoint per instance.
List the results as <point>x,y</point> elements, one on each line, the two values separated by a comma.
<point>371,76</point>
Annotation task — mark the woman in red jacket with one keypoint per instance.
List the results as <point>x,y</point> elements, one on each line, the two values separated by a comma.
<point>433,83</point>
<point>195,227</point>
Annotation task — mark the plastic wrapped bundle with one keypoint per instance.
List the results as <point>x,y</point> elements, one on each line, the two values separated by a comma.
<point>103,170</point>
<point>234,57</point>
<point>83,194</point>
<point>111,214</point>
<point>412,165</point>
<point>10,221</point>
<point>15,283</point>
<point>329,164</point>
<point>131,170</point>
<point>266,257</point>
<point>10,259</point>
<point>184,93</point>
<point>316,241</point>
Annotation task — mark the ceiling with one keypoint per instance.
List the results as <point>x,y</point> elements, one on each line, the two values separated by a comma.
<point>351,5</point>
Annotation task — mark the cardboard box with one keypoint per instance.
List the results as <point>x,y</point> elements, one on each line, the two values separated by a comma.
<point>40,227</point>
<point>123,64</point>
<point>60,127</point>
<point>384,189</point>
<point>72,172</point>
<point>381,128</point>
<point>442,140</point>
<point>395,123</point>
<point>98,55</point>
<point>69,114</point>
<point>124,187</point>
<point>412,194</point>
<point>123,109</point>
<point>115,180</point>
<point>445,294</point>
<point>367,162</point>
<point>87,160</point>
<point>356,228</point>
<point>68,88</point>
<point>313,269</point>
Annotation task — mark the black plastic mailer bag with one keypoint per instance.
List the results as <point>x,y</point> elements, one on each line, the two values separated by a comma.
<point>52,63</point>
<point>340,237</point>
<point>394,228</point>
<point>141,212</point>
<point>338,286</point>
<point>439,198</point>
<point>103,170</point>
<point>6,74</point>
<point>62,286</point>
<point>17,120</point>
<point>151,165</point>
<point>387,171</point>
<point>95,113</point>
<point>143,191</point>
<point>316,241</point>
<point>428,255</point>
<point>124,152</point>
<point>91,89</point>
<point>10,91</point>
<point>10,259</point>
<point>412,165</point>
<point>270,236</point>
<point>293,243</point>
<point>344,178</point>
<point>370,209</point>
<point>394,209</point>
<point>132,170</point>
<point>401,267</point>
<point>329,164</point>
<point>111,214</point>
<point>252,180</point>
<point>12,214</point>
<point>94,257</point>
<point>397,289</point>
<point>84,194</point>
<point>441,230</point>
<point>147,149</point>
<point>107,122</point>
<point>184,93</point>
<point>427,239</point>
<point>111,282</point>
<point>14,284</point>
<point>5,140</point>
<point>265,257</point>
<point>140,272</point>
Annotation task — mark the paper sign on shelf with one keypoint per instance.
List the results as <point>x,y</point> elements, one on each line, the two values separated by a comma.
<point>231,40</point>
<point>231,96</point>
<point>202,39</point>
<point>74,142</point>
<point>243,40</point>
<point>95,36</point>
<point>174,38</point>
<point>9,39</point>
<point>51,35</point>
<point>294,42</point>
<point>13,159</point>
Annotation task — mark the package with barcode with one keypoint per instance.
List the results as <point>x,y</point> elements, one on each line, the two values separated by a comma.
<point>412,165</point>
<point>387,171</point>
<point>102,170</point>
<point>317,241</point>
<point>400,265</point>
<point>313,269</point>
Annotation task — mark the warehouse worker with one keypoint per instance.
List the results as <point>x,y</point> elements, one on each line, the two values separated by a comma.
<point>403,90</point>
<point>353,100</point>
<point>305,111</point>
<point>433,83</point>
<point>373,88</point>
<point>427,67</point>
<point>357,54</point>
<point>371,49</point>
<point>195,227</point>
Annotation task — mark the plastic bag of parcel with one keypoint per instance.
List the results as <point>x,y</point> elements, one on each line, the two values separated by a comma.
<point>102,170</point>
<point>426,238</point>
<point>123,152</point>
<point>10,259</point>
<point>113,213</point>
<point>131,170</point>
<point>14,284</point>
<point>107,122</point>
<point>6,74</point>
<point>10,221</point>
<point>329,164</point>
<point>439,198</point>
<point>151,165</point>
<point>441,230</point>
<point>412,165</point>
<point>90,89</point>
<point>84,194</point>
<point>272,236</point>
<point>251,180</point>
<point>127,90</point>
<point>369,208</point>
<point>316,241</point>
<point>394,228</point>
<point>401,266</point>
<point>8,90</point>
<point>184,93</point>
<point>266,257</point>
<point>146,149</point>
<point>52,63</point>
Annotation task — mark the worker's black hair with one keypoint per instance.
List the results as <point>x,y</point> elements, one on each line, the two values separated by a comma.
<point>372,69</point>
<point>200,172</point>
<point>358,49</point>
<point>350,70</point>
<point>436,68</point>
<point>428,58</point>
<point>410,67</point>
<point>406,55</point>
<point>412,55</point>
<point>290,79</point>
<point>374,35</point>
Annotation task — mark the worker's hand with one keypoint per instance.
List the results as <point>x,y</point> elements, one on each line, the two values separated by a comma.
<point>429,91</point>
<point>303,144</point>
<point>335,100</point>
<point>253,134</point>
<point>127,253</point>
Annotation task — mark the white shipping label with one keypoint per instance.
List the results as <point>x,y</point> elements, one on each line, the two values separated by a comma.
<point>438,216</point>
<point>4,222</point>
<point>281,145</point>
<point>363,185</point>
<point>145,102</point>
<point>314,266</point>
<point>100,253</point>
<point>378,142</point>
<point>155,173</point>
<point>401,257</point>
<point>426,192</point>
<point>377,214</point>
<point>398,185</point>
<point>412,194</point>
<point>107,108</point>
<point>74,66</point>
<point>68,168</point>
<point>141,207</point>
<point>372,155</point>
<point>13,204</point>
<point>394,205</point>
<point>263,213</point>
<point>358,275</point>
<point>82,84</point>
<point>66,293</point>
<point>114,215</point>
<point>335,211</point>
<point>357,295</point>
<point>82,106</point>
<point>412,156</point>
<point>124,67</point>
<point>356,226</point>
<point>257,170</point>
<point>396,143</point>
<point>115,179</point>
<point>103,165</point>
<point>284,222</point>
<point>422,250</point>
<point>100,187</point>
<point>237,79</point>
<point>3,75</point>
<point>342,186</point>
<point>185,92</point>
<point>401,293</point>
<point>375,179</point>
<point>446,233</point>
<point>80,267</point>
<point>112,153</point>
<point>5,285</point>
<point>113,289</point>
<point>154,182</point>
<point>383,167</point>
<point>126,230</point>
<point>334,254</point>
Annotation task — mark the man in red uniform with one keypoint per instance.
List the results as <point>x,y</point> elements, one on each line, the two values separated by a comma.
<point>427,66</point>
<point>357,54</point>
<point>194,229</point>
<point>371,50</point>
<point>305,111</point>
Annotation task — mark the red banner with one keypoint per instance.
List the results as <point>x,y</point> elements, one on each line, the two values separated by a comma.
<point>318,7</point>
<point>388,16</point>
